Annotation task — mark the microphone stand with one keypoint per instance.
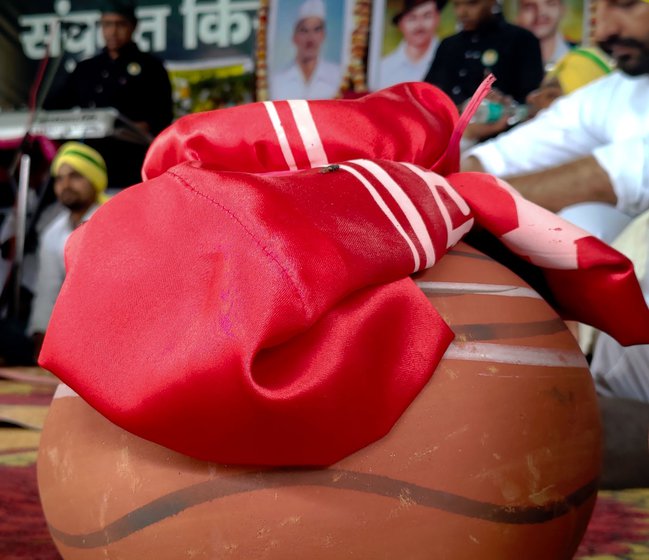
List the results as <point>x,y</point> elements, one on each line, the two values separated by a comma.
<point>21,230</point>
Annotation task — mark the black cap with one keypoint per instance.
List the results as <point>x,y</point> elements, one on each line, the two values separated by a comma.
<point>410,5</point>
<point>125,8</point>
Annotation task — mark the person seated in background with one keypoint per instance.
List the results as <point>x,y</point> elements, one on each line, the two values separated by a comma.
<point>576,69</point>
<point>591,145</point>
<point>487,44</point>
<point>79,180</point>
<point>127,79</point>
<point>591,148</point>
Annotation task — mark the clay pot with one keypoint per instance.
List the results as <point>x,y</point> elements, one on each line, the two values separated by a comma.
<point>497,458</point>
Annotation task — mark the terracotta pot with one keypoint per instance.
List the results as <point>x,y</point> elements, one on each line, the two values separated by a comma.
<point>497,458</point>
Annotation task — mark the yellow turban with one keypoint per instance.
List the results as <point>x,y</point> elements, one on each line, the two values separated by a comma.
<point>579,67</point>
<point>86,161</point>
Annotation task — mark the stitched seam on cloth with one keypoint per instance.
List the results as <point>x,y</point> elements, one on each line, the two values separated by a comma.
<point>258,242</point>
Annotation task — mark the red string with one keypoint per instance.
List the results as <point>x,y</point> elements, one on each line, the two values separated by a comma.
<point>483,90</point>
<point>33,92</point>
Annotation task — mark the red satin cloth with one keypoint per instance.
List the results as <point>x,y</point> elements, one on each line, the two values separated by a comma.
<point>402,123</point>
<point>248,317</point>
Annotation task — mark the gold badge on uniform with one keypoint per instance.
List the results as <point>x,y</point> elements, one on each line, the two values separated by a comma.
<point>489,57</point>
<point>134,68</point>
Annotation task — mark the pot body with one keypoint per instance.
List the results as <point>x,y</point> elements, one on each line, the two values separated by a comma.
<point>497,458</point>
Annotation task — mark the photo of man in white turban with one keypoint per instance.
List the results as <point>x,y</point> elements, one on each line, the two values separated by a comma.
<point>309,75</point>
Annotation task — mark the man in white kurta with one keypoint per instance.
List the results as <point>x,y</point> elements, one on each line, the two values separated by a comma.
<point>606,120</point>
<point>590,151</point>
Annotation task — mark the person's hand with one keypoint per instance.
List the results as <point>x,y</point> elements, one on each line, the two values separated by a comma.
<point>479,131</point>
<point>471,163</point>
<point>476,132</point>
<point>498,96</point>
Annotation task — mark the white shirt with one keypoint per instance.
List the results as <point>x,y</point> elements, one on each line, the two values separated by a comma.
<point>324,83</point>
<point>51,269</point>
<point>561,48</point>
<point>608,119</point>
<point>397,67</point>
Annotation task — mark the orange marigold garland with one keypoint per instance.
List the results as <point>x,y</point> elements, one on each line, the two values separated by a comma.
<point>354,78</point>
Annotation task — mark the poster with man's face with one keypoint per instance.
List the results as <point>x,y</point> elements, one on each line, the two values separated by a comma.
<point>557,24</point>
<point>404,38</point>
<point>308,48</point>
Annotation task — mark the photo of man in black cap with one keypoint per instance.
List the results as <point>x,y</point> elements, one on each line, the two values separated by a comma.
<point>417,22</point>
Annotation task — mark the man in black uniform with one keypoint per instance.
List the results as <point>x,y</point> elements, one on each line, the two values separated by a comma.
<point>121,76</point>
<point>487,44</point>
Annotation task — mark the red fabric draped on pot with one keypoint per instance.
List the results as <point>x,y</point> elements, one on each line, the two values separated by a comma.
<point>250,303</point>
<point>408,122</point>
